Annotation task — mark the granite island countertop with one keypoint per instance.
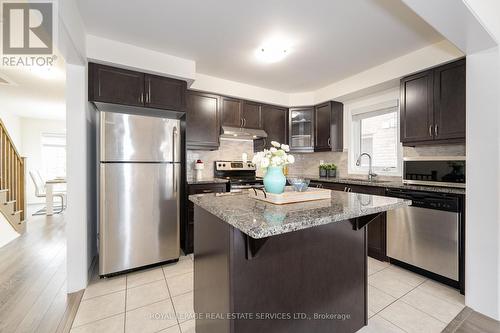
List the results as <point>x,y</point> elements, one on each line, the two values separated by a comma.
<point>385,183</point>
<point>260,219</point>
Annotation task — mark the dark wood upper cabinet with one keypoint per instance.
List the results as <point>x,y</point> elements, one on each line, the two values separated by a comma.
<point>251,114</point>
<point>231,112</point>
<point>121,86</point>
<point>115,85</point>
<point>417,116</point>
<point>274,123</point>
<point>322,119</point>
<point>449,101</point>
<point>202,121</point>
<point>165,93</point>
<point>433,106</point>
<point>328,127</point>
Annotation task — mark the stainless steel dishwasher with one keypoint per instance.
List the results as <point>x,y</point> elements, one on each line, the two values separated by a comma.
<point>426,234</point>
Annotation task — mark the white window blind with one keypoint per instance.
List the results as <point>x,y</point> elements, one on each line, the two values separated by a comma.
<point>54,155</point>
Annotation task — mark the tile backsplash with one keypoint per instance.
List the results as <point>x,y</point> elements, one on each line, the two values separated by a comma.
<point>305,164</point>
<point>228,150</point>
<point>308,164</point>
<point>443,150</point>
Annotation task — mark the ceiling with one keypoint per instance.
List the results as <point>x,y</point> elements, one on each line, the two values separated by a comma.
<point>36,93</point>
<point>331,39</point>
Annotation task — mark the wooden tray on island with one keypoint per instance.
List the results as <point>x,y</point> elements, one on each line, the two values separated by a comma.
<point>290,196</point>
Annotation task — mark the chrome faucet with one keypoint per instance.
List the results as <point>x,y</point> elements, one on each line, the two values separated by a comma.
<point>371,174</point>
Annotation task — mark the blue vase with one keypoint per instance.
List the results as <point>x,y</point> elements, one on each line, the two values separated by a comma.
<point>274,180</point>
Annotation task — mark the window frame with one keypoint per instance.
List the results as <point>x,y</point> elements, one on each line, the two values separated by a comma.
<point>355,138</point>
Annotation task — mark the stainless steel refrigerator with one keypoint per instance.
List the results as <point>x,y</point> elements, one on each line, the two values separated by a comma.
<point>139,191</point>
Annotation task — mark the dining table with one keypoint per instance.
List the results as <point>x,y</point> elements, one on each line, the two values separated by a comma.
<point>49,193</point>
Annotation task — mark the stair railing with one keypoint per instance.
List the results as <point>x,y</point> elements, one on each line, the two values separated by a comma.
<point>12,171</point>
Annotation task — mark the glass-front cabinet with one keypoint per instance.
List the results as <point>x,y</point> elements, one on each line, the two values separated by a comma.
<point>301,129</point>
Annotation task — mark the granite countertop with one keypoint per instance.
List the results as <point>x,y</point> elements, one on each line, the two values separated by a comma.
<point>206,180</point>
<point>260,219</point>
<point>386,184</point>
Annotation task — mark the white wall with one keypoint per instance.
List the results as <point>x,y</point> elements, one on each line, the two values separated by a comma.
<point>72,45</point>
<point>130,56</point>
<point>483,177</point>
<point>236,89</point>
<point>31,133</point>
<point>77,214</point>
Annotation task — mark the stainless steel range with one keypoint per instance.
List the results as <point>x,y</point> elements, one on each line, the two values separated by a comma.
<point>241,175</point>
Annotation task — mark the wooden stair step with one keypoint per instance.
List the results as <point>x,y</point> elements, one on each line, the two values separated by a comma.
<point>10,202</point>
<point>4,190</point>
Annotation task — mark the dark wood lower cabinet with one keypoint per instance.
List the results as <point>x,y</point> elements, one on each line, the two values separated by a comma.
<point>377,229</point>
<point>187,225</point>
<point>298,282</point>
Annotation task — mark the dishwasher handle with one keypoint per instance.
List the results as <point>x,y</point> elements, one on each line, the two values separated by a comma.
<point>438,201</point>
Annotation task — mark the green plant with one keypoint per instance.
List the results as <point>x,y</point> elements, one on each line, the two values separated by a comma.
<point>328,166</point>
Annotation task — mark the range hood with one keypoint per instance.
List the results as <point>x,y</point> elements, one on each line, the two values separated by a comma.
<point>230,132</point>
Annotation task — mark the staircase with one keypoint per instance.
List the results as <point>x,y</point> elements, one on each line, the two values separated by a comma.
<point>12,181</point>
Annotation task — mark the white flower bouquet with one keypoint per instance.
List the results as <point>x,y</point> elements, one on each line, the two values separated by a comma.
<point>277,156</point>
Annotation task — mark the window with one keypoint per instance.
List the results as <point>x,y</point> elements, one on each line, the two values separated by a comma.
<point>54,155</point>
<point>375,131</point>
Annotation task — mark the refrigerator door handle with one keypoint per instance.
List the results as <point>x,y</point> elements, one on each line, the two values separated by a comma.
<point>174,153</point>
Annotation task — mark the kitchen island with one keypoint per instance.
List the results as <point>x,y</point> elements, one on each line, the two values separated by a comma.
<point>292,268</point>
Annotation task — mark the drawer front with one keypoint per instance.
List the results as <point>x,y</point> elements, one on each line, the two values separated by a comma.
<point>206,188</point>
<point>329,186</point>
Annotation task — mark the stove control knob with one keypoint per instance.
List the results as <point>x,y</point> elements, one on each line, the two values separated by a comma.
<point>224,165</point>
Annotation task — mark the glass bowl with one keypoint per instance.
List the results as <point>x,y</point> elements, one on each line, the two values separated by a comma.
<point>299,184</point>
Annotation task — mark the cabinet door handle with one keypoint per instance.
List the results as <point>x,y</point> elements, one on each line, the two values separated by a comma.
<point>244,122</point>
<point>207,191</point>
<point>148,94</point>
<point>329,142</point>
<point>436,130</point>
<point>141,99</point>
<point>241,122</point>
<point>345,189</point>
<point>430,130</point>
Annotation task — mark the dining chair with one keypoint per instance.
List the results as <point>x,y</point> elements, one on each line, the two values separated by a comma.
<point>40,190</point>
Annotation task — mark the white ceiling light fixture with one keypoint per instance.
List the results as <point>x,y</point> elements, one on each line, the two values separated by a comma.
<point>274,49</point>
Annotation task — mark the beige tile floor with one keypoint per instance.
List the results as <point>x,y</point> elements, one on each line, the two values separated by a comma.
<point>402,301</point>
<point>153,300</point>
<point>161,300</point>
